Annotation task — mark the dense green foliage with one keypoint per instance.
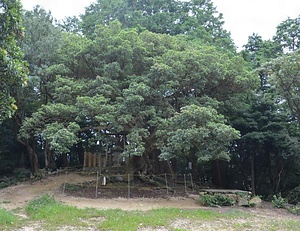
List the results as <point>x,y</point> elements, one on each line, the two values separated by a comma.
<point>13,69</point>
<point>278,201</point>
<point>198,19</point>
<point>158,82</point>
<point>287,34</point>
<point>294,196</point>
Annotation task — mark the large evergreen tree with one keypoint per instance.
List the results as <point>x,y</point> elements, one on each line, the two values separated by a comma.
<point>157,80</point>
<point>288,34</point>
<point>125,82</point>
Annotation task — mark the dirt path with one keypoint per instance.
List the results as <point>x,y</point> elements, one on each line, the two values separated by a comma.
<point>18,196</point>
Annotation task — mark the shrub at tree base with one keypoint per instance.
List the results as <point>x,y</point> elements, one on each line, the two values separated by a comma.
<point>295,210</point>
<point>216,200</point>
<point>6,182</point>
<point>20,175</point>
<point>278,201</point>
<point>294,196</point>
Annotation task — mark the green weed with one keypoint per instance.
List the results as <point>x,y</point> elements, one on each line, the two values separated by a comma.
<point>7,219</point>
<point>284,225</point>
<point>278,201</point>
<point>295,210</point>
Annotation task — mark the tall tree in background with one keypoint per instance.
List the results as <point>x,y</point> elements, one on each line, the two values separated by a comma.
<point>266,157</point>
<point>288,34</point>
<point>198,19</point>
<point>40,45</point>
<point>268,146</point>
<point>285,76</point>
<point>46,37</point>
<point>13,70</point>
<point>258,51</point>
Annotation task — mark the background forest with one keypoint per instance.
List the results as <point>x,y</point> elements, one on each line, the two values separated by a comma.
<point>161,83</point>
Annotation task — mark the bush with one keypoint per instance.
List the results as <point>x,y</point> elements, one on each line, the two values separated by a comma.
<point>294,196</point>
<point>295,210</point>
<point>278,201</point>
<point>21,174</point>
<point>216,200</point>
<point>6,182</point>
<point>71,187</point>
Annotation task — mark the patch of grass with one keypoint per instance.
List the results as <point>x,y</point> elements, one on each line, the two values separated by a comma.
<point>284,225</point>
<point>132,220</point>
<point>7,219</point>
<point>243,225</point>
<point>55,214</point>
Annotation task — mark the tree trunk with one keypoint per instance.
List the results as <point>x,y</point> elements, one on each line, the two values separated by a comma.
<point>21,160</point>
<point>252,175</point>
<point>80,153</point>
<point>33,158</point>
<point>46,155</point>
<point>193,165</point>
<point>220,181</point>
<point>129,165</point>
<point>51,158</point>
<point>218,173</point>
<point>65,160</point>
<point>279,179</point>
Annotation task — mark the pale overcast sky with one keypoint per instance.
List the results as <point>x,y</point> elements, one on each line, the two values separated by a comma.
<point>242,17</point>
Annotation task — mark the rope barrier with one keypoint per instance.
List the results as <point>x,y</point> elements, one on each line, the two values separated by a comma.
<point>177,183</point>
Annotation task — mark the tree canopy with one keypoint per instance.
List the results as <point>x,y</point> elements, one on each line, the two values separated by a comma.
<point>198,19</point>
<point>158,85</point>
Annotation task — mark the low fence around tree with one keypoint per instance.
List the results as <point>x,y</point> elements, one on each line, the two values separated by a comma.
<point>130,186</point>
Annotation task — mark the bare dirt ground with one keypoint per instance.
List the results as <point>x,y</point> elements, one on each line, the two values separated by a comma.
<point>18,196</point>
